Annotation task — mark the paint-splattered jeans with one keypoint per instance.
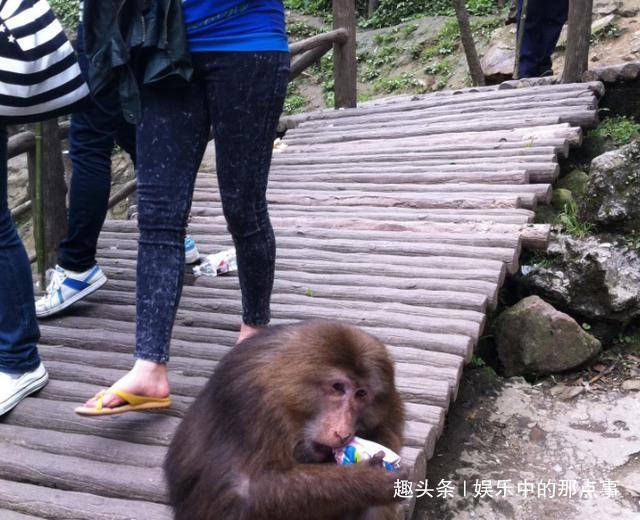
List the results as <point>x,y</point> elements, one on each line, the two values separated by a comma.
<point>240,94</point>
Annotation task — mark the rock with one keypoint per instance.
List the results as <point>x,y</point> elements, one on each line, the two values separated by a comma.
<point>589,278</point>
<point>561,197</point>
<point>575,181</point>
<point>597,26</point>
<point>604,7</point>
<point>498,63</point>
<point>535,339</point>
<point>631,384</point>
<point>612,197</point>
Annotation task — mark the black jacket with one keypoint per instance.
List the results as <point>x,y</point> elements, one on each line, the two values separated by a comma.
<point>133,43</point>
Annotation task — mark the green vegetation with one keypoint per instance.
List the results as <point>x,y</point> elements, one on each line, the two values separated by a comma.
<point>301,30</point>
<point>405,81</point>
<point>393,12</point>
<point>572,223</point>
<point>67,11</point>
<point>620,130</point>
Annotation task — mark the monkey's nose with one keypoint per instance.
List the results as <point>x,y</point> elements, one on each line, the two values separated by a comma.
<point>343,440</point>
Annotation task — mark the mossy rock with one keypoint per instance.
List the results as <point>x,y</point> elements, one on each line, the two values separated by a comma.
<point>575,181</point>
<point>561,197</point>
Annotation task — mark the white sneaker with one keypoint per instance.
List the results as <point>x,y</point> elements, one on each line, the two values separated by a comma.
<point>15,387</point>
<point>191,254</point>
<point>66,287</point>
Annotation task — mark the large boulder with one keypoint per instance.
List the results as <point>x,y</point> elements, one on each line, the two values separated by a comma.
<point>590,278</point>
<point>498,63</point>
<point>533,338</point>
<point>612,198</point>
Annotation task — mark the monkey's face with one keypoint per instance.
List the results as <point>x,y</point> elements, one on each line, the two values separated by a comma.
<point>342,401</point>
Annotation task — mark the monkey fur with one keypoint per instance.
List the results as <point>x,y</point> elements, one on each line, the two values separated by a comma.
<point>257,442</point>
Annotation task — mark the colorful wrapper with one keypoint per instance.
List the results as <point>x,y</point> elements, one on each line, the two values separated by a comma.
<point>360,450</point>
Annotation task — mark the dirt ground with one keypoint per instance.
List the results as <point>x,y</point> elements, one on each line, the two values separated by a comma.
<point>502,429</point>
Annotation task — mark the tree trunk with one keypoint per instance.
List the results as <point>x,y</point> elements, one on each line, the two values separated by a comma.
<point>578,39</point>
<point>467,42</point>
<point>344,55</point>
<point>48,193</point>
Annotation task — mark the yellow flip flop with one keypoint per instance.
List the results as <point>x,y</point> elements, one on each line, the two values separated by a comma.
<point>132,403</point>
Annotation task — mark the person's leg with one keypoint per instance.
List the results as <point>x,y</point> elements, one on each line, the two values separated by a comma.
<point>21,372</point>
<point>556,12</point>
<point>246,92</point>
<point>532,50</point>
<point>91,138</point>
<point>19,331</point>
<point>172,136</point>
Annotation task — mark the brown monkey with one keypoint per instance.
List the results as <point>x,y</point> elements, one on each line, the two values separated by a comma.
<point>257,443</point>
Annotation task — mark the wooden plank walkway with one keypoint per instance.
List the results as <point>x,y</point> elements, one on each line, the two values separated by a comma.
<point>403,216</point>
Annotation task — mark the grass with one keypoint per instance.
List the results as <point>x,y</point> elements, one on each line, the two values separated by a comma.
<point>620,130</point>
<point>572,223</point>
<point>405,81</point>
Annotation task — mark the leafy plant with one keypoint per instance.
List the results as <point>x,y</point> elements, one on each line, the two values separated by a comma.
<point>619,129</point>
<point>405,81</point>
<point>67,11</point>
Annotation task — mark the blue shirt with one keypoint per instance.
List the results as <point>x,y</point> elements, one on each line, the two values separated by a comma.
<point>235,25</point>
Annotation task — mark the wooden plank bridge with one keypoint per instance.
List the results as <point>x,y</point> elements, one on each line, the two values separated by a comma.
<point>403,216</point>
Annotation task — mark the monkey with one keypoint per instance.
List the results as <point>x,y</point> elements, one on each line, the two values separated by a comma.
<point>257,443</point>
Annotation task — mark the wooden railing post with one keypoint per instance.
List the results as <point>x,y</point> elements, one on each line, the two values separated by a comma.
<point>344,56</point>
<point>48,192</point>
<point>578,39</point>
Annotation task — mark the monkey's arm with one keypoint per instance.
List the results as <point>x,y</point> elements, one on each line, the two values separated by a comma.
<point>320,491</point>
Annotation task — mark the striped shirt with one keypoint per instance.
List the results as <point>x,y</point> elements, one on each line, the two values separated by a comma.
<point>39,72</point>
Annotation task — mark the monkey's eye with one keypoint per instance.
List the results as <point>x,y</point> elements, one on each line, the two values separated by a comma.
<point>361,393</point>
<point>339,387</point>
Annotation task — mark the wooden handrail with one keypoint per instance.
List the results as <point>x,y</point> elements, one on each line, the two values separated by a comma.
<point>339,36</point>
<point>25,142</point>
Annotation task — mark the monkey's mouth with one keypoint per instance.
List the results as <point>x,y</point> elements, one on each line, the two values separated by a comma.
<point>322,449</point>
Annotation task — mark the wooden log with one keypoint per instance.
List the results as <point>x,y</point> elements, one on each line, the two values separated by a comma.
<point>344,55</point>
<point>20,209</point>
<point>337,36</point>
<point>587,100</point>
<point>434,200</point>
<point>5,514</point>
<point>71,473</point>
<point>492,95</point>
<point>227,299</point>
<point>528,193</point>
<point>55,503</point>
<point>307,59</point>
<point>126,190</point>
<point>185,341</point>
<point>138,428</point>
<point>578,38</point>
<point>516,129</point>
<point>204,214</point>
<point>524,154</point>
<point>24,142</point>
<point>571,114</point>
<point>87,447</point>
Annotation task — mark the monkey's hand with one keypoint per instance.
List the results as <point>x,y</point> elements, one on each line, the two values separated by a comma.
<point>392,485</point>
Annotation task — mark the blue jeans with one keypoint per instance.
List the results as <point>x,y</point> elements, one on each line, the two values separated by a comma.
<point>241,94</point>
<point>92,136</point>
<point>19,331</point>
<point>544,22</point>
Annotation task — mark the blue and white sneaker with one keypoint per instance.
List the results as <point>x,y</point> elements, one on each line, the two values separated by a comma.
<point>191,254</point>
<point>67,287</point>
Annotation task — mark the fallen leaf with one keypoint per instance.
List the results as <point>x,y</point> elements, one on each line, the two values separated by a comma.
<point>599,367</point>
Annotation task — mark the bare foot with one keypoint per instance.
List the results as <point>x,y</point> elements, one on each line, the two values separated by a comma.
<point>246,331</point>
<point>145,378</point>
